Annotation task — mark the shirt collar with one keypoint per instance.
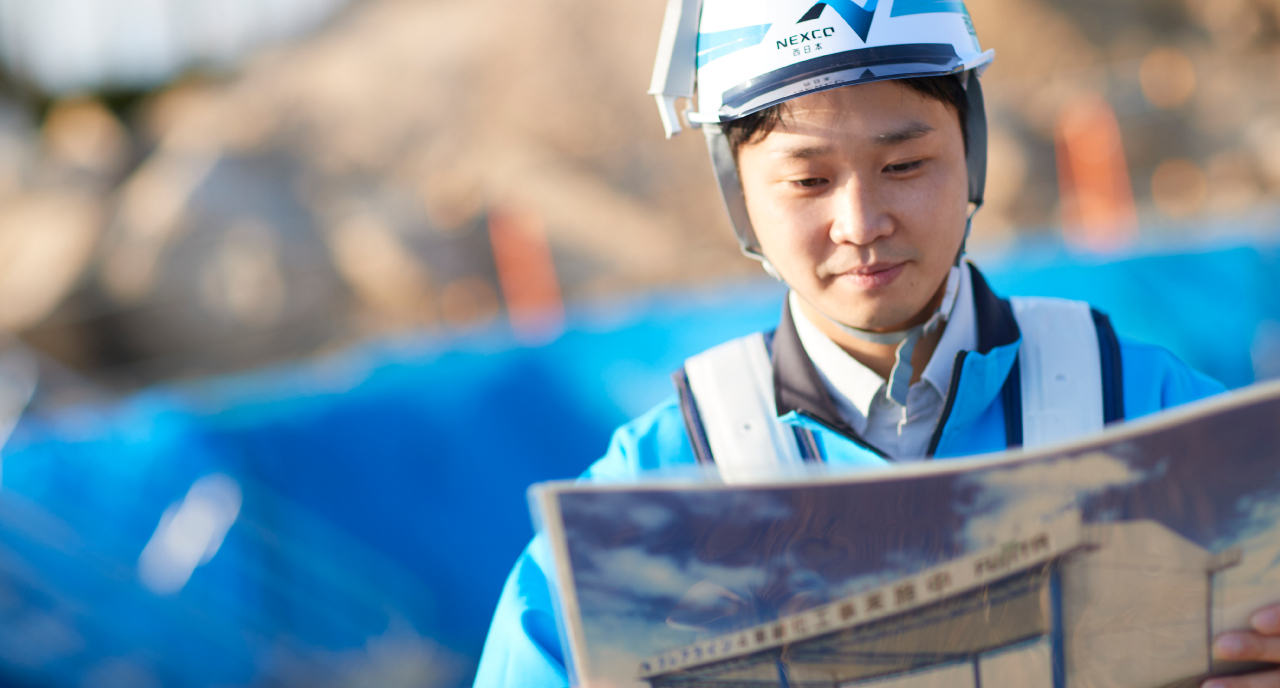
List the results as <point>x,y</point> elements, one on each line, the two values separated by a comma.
<point>961,334</point>
<point>841,373</point>
<point>797,386</point>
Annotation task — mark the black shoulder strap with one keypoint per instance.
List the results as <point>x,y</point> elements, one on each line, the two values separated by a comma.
<point>1112,369</point>
<point>1011,396</point>
<point>692,418</point>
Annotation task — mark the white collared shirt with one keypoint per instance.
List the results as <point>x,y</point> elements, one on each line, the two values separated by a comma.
<point>861,396</point>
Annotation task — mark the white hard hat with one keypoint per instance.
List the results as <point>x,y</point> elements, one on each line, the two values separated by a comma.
<point>742,56</point>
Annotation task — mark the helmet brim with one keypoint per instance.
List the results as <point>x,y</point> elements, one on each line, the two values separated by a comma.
<point>836,70</point>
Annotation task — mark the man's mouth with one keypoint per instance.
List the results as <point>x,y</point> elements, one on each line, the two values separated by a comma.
<point>873,275</point>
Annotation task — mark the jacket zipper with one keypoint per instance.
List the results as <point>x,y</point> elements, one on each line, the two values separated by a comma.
<point>952,390</point>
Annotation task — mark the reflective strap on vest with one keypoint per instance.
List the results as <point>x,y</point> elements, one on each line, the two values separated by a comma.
<point>1061,370</point>
<point>733,388</point>
<point>731,393</point>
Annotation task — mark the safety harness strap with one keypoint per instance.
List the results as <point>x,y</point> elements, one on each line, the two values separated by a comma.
<point>732,387</point>
<point>1060,369</point>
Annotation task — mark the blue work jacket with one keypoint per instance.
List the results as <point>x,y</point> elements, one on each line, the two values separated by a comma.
<point>523,647</point>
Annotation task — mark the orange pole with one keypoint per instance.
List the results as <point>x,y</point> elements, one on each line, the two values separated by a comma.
<point>1098,210</point>
<point>526,273</point>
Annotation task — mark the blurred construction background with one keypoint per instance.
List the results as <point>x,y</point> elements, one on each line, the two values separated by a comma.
<point>222,184</point>
<point>322,272</point>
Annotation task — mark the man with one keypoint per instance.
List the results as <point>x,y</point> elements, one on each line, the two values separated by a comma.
<point>850,145</point>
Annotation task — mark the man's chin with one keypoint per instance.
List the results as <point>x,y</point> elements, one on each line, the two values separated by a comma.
<point>889,311</point>
<point>875,321</point>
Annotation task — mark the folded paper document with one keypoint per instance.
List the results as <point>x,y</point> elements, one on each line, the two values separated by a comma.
<point>1108,563</point>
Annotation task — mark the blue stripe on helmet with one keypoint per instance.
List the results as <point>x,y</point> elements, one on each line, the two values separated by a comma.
<point>858,18</point>
<point>905,7</point>
<point>717,44</point>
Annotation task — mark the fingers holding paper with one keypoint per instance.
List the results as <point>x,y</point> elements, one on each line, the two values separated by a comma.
<point>1262,644</point>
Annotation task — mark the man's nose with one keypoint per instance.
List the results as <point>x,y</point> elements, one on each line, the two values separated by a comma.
<point>857,215</point>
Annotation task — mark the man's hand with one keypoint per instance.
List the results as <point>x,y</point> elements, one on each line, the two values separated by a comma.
<point>1262,645</point>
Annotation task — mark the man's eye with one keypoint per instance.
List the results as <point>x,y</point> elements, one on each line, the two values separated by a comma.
<point>904,167</point>
<point>811,182</point>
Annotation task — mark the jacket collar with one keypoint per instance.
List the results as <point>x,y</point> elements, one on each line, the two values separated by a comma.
<point>796,385</point>
<point>799,389</point>
<point>996,324</point>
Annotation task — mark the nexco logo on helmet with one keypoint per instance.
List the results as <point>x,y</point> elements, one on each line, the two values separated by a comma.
<point>735,57</point>
<point>805,36</point>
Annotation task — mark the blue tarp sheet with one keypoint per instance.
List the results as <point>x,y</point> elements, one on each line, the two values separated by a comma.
<point>383,488</point>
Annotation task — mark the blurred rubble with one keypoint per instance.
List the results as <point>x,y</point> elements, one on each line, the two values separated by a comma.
<point>69,46</point>
<point>364,179</point>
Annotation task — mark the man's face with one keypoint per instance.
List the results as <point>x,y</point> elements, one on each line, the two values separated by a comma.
<point>859,199</point>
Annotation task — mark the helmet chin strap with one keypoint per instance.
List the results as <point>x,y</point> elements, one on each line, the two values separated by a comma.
<point>900,377</point>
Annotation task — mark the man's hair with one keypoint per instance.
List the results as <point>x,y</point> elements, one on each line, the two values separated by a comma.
<point>945,89</point>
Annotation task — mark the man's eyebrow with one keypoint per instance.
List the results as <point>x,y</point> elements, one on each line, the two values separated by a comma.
<point>913,130</point>
<point>806,152</point>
